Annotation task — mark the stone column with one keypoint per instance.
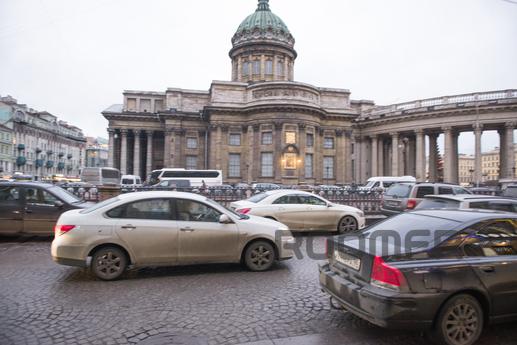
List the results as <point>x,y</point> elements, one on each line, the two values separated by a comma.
<point>478,173</point>
<point>111,148</point>
<point>455,158</point>
<point>301,157</point>
<point>510,150</point>
<point>277,155</point>
<point>375,153</point>
<point>286,68</point>
<point>420,156</point>
<point>433,157</point>
<point>502,153</point>
<point>448,155</point>
<point>219,147</point>
<point>395,154</point>
<point>136,153</point>
<point>167,148</point>
<point>348,156</point>
<point>380,157</point>
<point>365,160</point>
<point>357,159</point>
<point>123,151</point>
<point>149,163</point>
<point>249,153</point>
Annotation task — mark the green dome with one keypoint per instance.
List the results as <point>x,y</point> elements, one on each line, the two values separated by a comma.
<point>263,25</point>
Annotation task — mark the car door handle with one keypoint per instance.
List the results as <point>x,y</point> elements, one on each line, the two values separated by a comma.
<point>487,269</point>
<point>128,227</point>
<point>187,229</point>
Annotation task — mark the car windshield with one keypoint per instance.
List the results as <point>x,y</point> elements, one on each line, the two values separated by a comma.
<point>399,190</point>
<point>99,205</point>
<point>240,216</point>
<point>127,181</point>
<point>369,184</point>
<point>258,197</point>
<point>64,195</point>
<point>437,203</point>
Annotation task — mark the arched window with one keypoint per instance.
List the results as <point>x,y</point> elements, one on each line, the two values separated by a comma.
<point>245,68</point>
<point>269,67</point>
<point>256,67</point>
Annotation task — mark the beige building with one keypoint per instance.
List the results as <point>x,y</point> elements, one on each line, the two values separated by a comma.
<point>490,165</point>
<point>264,126</point>
<point>466,166</point>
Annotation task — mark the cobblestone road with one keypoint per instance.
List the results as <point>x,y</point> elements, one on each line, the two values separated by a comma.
<point>44,303</point>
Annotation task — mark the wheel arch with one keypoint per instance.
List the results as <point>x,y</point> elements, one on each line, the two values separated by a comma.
<point>104,245</point>
<point>480,296</point>
<point>258,239</point>
<point>342,216</point>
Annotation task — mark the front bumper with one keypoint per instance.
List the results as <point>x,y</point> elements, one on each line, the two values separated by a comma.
<point>285,249</point>
<point>383,308</point>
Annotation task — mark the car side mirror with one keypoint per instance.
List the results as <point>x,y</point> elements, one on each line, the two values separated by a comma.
<point>224,219</point>
<point>58,204</point>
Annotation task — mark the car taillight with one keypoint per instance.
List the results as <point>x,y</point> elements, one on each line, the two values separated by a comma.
<point>62,229</point>
<point>244,210</point>
<point>385,276</point>
<point>411,203</point>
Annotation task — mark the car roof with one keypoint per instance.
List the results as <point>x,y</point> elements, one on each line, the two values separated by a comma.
<point>160,194</point>
<point>288,192</point>
<point>28,184</point>
<point>464,215</point>
<point>465,197</point>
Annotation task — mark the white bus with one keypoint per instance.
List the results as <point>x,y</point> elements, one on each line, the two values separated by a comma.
<point>196,177</point>
<point>100,176</point>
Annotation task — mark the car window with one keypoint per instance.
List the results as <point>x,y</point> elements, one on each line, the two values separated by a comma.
<point>194,211</point>
<point>258,197</point>
<point>492,238</point>
<point>480,204</point>
<point>376,185</point>
<point>505,206</point>
<point>445,190</point>
<point>47,198</point>
<point>311,200</point>
<point>459,190</point>
<point>399,191</point>
<point>156,209</point>
<point>288,200</point>
<point>428,203</point>
<point>127,181</point>
<point>387,184</point>
<point>8,194</point>
<point>32,196</point>
<point>423,191</point>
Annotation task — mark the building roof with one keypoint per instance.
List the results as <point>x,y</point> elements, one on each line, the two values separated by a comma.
<point>115,108</point>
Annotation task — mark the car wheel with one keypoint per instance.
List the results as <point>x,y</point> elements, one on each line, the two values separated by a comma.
<point>259,256</point>
<point>109,263</point>
<point>347,224</point>
<point>460,321</point>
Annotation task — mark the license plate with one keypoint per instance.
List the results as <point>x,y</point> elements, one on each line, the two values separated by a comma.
<point>393,203</point>
<point>347,260</point>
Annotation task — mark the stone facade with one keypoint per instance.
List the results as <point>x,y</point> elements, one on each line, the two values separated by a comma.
<point>6,149</point>
<point>43,145</point>
<point>265,127</point>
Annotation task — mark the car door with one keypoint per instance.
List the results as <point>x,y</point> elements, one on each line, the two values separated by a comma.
<point>492,250</point>
<point>147,228</point>
<point>11,210</point>
<point>202,238</point>
<point>289,210</point>
<point>318,215</point>
<point>41,212</point>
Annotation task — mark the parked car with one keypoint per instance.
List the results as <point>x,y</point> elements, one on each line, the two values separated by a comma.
<point>406,196</point>
<point>179,184</point>
<point>485,202</point>
<point>165,228</point>
<point>130,181</point>
<point>302,211</point>
<point>510,191</point>
<point>381,183</point>
<point>34,207</point>
<point>450,285</point>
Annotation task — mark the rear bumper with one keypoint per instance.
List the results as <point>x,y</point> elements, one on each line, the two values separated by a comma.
<point>389,310</point>
<point>69,262</point>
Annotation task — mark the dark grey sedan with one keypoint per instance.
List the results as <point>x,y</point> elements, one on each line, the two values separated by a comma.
<point>33,208</point>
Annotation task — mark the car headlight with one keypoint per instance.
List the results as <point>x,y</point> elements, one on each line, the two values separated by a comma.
<point>361,214</point>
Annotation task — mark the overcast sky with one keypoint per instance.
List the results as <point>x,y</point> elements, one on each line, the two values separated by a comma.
<point>74,58</point>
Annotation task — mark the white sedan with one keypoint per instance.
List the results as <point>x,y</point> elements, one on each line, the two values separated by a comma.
<point>302,211</point>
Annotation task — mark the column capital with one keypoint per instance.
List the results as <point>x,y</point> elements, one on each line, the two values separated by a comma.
<point>339,132</point>
<point>224,127</point>
<point>348,133</point>
<point>394,134</point>
<point>302,126</point>
<point>244,128</point>
<point>419,131</point>
<point>510,125</point>
<point>149,133</point>
<point>124,131</point>
<point>478,127</point>
<point>137,131</point>
<point>111,131</point>
<point>256,127</point>
<point>278,125</point>
<point>447,129</point>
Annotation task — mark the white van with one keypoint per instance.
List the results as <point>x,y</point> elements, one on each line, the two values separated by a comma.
<point>381,183</point>
<point>196,177</point>
<point>131,181</point>
<point>100,176</point>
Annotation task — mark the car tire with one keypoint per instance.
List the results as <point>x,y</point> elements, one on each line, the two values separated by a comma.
<point>347,224</point>
<point>108,263</point>
<point>259,256</point>
<point>459,322</point>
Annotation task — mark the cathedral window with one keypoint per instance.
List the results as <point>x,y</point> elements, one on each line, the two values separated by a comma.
<point>256,67</point>
<point>269,67</point>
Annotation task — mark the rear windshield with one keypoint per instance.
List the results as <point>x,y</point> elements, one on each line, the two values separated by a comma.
<point>100,205</point>
<point>437,203</point>
<point>399,190</point>
<point>258,197</point>
<point>127,181</point>
<point>64,195</point>
<point>108,173</point>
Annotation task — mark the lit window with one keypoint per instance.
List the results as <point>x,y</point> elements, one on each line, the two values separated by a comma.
<point>310,140</point>
<point>235,140</point>
<point>328,143</point>
<point>267,138</point>
<point>290,161</point>
<point>234,165</point>
<point>308,166</point>
<point>191,162</point>
<point>290,137</point>
<point>266,161</point>
<point>192,143</point>
<point>328,167</point>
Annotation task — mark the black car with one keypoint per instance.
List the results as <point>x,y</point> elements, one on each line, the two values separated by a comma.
<point>33,208</point>
<point>447,271</point>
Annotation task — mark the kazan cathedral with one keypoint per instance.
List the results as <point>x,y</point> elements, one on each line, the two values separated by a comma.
<point>262,126</point>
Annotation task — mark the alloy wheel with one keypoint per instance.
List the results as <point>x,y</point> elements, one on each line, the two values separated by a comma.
<point>347,224</point>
